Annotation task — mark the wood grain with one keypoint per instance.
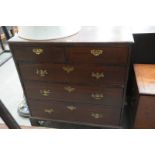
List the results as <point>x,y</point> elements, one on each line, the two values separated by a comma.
<point>111,55</point>
<point>83,112</point>
<point>112,75</point>
<point>49,54</point>
<point>145,77</point>
<point>80,94</point>
<point>145,116</point>
<point>144,106</point>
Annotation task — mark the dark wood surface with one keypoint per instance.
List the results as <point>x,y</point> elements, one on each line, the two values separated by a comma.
<point>91,74</point>
<point>85,94</point>
<point>85,113</point>
<point>145,116</point>
<point>93,50</point>
<point>61,124</point>
<point>144,104</point>
<point>50,54</point>
<point>111,55</point>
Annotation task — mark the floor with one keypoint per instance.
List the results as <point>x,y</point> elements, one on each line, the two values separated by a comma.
<point>11,92</point>
<point>4,57</point>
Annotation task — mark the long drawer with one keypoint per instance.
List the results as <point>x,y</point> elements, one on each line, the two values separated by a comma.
<point>80,113</point>
<point>79,74</point>
<point>74,93</point>
<point>39,54</point>
<point>98,55</point>
<point>87,55</point>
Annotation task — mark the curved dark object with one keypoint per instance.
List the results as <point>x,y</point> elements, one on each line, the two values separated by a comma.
<point>7,117</point>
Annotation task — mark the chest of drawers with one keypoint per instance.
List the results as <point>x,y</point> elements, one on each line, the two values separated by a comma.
<point>80,79</point>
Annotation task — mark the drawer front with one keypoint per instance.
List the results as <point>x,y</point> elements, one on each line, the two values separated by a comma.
<point>74,93</point>
<point>102,55</point>
<point>78,74</point>
<point>39,54</point>
<point>80,113</point>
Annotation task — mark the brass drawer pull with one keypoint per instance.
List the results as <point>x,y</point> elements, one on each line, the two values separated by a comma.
<point>41,72</point>
<point>97,75</point>
<point>97,96</point>
<point>96,52</point>
<point>38,51</point>
<point>49,111</point>
<point>96,115</point>
<point>69,89</point>
<point>45,92</point>
<point>71,107</point>
<point>68,69</point>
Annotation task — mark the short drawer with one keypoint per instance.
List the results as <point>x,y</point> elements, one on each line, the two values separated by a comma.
<point>79,113</point>
<point>74,93</point>
<point>77,74</point>
<point>39,54</point>
<point>101,55</point>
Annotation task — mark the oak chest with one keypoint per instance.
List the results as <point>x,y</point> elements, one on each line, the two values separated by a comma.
<point>80,79</point>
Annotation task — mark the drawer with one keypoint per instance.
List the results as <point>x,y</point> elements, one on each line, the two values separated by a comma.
<point>74,93</point>
<point>79,113</point>
<point>77,74</point>
<point>102,55</point>
<point>39,54</point>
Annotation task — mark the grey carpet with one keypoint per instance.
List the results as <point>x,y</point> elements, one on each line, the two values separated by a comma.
<point>4,57</point>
